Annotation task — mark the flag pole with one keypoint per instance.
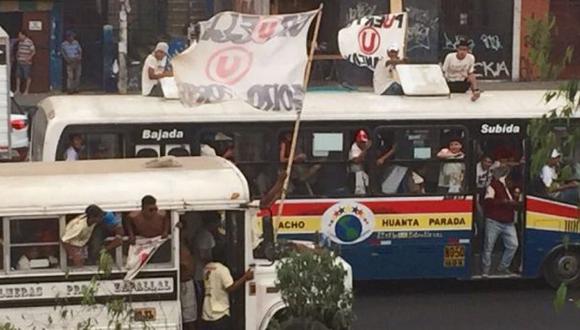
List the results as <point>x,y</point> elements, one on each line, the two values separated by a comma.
<point>297,122</point>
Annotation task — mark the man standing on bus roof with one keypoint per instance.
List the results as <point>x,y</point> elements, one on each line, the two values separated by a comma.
<point>458,69</point>
<point>149,222</point>
<point>386,79</point>
<point>156,66</point>
<point>499,207</point>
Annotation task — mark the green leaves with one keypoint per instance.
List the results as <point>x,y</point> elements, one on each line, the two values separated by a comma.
<point>560,298</point>
<point>312,286</point>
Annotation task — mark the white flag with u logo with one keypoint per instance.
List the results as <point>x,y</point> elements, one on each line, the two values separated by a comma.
<point>365,40</point>
<point>259,59</point>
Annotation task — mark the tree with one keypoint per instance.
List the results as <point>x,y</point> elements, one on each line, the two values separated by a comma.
<point>313,288</point>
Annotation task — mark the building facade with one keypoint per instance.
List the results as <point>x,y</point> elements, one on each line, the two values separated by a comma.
<point>496,30</point>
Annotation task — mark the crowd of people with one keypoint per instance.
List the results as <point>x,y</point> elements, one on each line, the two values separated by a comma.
<point>205,280</point>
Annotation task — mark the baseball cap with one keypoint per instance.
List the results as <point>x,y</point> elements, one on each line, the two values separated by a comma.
<point>362,136</point>
<point>555,153</point>
<point>393,47</point>
<point>162,46</point>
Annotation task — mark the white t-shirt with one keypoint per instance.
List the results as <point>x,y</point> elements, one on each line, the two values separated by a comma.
<point>483,177</point>
<point>548,175</point>
<point>354,152</point>
<point>455,69</point>
<point>147,84</point>
<point>206,150</point>
<point>216,303</point>
<point>384,76</point>
<point>71,154</point>
<point>203,241</point>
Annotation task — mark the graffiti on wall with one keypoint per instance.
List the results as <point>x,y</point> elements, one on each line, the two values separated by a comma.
<point>421,25</point>
<point>360,9</point>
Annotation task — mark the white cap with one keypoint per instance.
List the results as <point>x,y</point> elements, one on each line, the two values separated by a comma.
<point>394,47</point>
<point>162,46</point>
<point>555,153</point>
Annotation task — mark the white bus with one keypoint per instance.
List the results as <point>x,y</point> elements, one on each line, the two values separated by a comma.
<point>40,289</point>
<point>408,217</point>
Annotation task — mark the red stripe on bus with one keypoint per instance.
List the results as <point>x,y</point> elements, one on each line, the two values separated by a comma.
<point>552,208</point>
<point>381,207</point>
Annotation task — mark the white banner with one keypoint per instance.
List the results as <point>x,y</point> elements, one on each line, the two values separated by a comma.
<point>365,40</point>
<point>258,59</point>
<point>140,253</point>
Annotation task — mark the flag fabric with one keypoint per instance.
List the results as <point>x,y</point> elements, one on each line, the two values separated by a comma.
<point>258,59</point>
<point>140,253</point>
<point>365,40</point>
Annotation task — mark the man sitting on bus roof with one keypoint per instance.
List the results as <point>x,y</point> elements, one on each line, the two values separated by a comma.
<point>458,69</point>
<point>386,79</point>
<point>156,66</point>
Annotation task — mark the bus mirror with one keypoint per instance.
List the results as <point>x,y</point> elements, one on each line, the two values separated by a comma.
<point>268,234</point>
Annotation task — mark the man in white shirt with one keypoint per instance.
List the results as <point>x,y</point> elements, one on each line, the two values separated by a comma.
<point>218,284</point>
<point>357,156</point>
<point>386,79</point>
<point>76,145</point>
<point>458,69</point>
<point>155,68</point>
<point>568,191</point>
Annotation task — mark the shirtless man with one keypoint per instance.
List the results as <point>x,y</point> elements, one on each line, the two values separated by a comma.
<point>149,222</point>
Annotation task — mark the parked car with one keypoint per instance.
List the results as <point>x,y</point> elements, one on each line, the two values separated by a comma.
<point>19,139</point>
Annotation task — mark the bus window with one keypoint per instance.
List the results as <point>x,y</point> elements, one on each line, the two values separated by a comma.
<point>147,151</point>
<point>34,244</point>
<point>247,149</point>
<point>417,160</point>
<point>90,146</point>
<point>177,150</point>
<point>38,133</point>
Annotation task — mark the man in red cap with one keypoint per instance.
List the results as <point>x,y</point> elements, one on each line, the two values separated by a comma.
<point>356,156</point>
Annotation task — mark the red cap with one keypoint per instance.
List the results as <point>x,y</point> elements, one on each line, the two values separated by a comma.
<point>362,136</point>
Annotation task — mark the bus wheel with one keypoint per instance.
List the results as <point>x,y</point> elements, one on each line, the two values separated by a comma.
<point>563,267</point>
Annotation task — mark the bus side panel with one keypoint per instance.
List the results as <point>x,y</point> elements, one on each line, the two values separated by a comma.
<point>548,225</point>
<point>389,238</point>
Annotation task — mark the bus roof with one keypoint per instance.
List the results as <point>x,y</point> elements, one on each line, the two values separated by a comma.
<point>69,187</point>
<point>320,105</point>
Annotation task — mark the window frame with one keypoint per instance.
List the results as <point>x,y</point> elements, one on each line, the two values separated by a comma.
<point>467,160</point>
<point>7,235</point>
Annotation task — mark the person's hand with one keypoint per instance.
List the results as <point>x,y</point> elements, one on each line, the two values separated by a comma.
<point>300,157</point>
<point>249,275</point>
<point>132,240</point>
<point>380,161</point>
<point>475,96</point>
<point>164,235</point>
<point>368,144</point>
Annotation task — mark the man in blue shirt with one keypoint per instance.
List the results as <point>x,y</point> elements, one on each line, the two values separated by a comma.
<point>72,54</point>
<point>108,224</point>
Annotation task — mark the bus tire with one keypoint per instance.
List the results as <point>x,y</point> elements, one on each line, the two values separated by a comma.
<point>563,266</point>
<point>278,319</point>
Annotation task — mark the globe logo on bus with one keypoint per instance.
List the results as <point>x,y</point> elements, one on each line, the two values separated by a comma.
<point>348,228</point>
<point>348,222</point>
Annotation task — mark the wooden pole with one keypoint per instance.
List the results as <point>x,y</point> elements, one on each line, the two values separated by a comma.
<point>297,122</point>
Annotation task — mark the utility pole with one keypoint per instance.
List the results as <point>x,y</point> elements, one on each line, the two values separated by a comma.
<point>123,12</point>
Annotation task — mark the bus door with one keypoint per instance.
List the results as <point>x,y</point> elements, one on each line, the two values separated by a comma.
<point>161,140</point>
<point>497,143</point>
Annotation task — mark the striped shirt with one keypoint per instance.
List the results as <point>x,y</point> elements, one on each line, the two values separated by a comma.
<point>25,51</point>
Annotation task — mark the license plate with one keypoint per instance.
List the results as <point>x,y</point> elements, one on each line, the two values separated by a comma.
<point>145,314</point>
<point>454,256</point>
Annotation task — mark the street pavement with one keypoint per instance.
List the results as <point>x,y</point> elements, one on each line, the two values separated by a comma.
<point>452,304</point>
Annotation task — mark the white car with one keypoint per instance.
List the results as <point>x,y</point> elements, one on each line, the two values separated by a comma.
<point>18,138</point>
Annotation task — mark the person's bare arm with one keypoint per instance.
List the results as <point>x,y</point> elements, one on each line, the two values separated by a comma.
<point>381,160</point>
<point>248,276</point>
<point>166,225</point>
<point>130,229</point>
<point>119,233</point>
<point>155,76</point>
